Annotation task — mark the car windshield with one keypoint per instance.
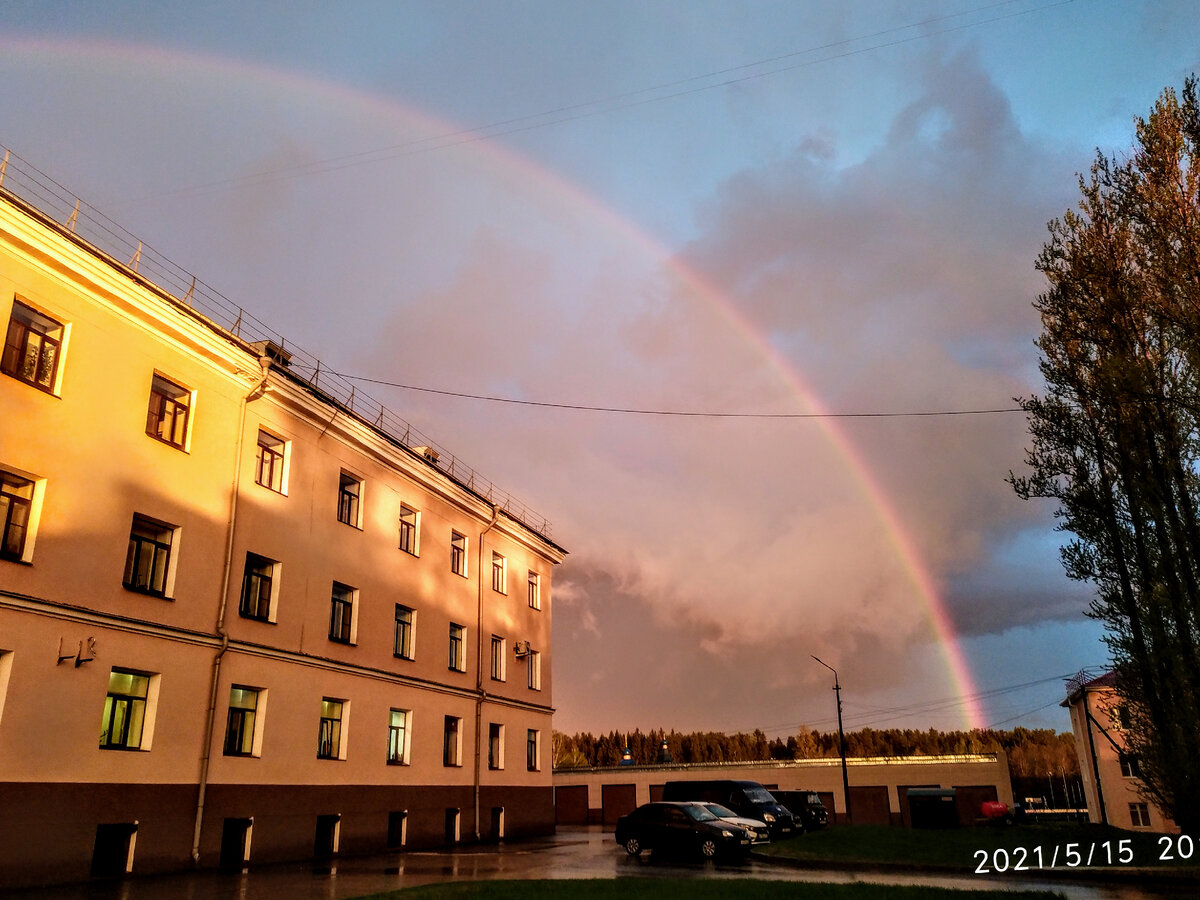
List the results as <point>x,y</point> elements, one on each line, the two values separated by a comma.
<point>699,813</point>
<point>721,812</point>
<point>759,795</point>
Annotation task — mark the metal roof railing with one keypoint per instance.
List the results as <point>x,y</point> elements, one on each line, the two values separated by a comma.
<point>24,182</point>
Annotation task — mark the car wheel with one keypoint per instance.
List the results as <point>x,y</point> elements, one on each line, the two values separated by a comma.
<point>633,846</point>
<point>708,848</point>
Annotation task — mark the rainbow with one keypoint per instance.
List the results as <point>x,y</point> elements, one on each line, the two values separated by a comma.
<point>34,53</point>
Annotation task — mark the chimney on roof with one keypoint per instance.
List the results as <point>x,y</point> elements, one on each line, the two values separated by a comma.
<point>273,352</point>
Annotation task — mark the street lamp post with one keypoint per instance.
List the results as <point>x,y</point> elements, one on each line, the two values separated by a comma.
<point>837,688</point>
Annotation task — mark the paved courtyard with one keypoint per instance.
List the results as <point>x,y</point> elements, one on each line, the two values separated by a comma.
<point>572,853</point>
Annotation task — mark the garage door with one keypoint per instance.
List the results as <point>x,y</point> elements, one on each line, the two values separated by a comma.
<point>616,800</point>
<point>571,804</point>
<point>869,806</point>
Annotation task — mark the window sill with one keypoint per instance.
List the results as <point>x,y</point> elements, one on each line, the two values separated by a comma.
<point>17,560</point>
<point>397,762</point>
<point>182,448</point>
<point>263,620</point>
<point>344,643</point>
<point>157,595</point>
<point>123,749</point>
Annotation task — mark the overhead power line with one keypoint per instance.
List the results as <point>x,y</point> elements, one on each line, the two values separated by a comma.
<point>682,413</point>
<point>670,90</point>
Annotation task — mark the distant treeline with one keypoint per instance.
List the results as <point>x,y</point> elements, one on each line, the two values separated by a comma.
<point>1032,753</point>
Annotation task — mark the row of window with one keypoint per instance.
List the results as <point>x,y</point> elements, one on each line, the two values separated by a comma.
<point>32,353</point>
<point>130,702</point>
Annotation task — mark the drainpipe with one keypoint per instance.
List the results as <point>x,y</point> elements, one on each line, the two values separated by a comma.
<point>206,752</point>
<point>1087,722</point>
<point>479,695</point>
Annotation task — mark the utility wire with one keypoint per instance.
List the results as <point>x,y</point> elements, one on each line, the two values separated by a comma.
<point>617,102</point>
<point>681,413</point>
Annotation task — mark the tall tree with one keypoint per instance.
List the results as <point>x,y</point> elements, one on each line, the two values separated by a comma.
<point>1116,437</point>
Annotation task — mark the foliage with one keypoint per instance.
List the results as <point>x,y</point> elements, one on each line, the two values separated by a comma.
<point>1032,753</point>
<point>1116,438</point>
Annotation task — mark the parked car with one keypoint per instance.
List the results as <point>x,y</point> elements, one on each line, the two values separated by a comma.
<point>746,798</point>
<point>680,828</point>
<point>759,832</point>
<point>805,806</point>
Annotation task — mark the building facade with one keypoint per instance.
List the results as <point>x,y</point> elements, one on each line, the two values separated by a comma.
<point>879,786</point>
<point>239,621</point>
<point>1110,775</point>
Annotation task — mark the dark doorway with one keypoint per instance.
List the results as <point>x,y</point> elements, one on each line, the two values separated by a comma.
<point>452,826</point>
<point>235,843</point>
<point>326,843</point>
<point>397,835</point>
<point>112,854</point>
<point>497,832</point>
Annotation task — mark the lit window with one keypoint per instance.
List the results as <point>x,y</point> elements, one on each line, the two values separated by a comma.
<point>1131,765</point>
<point>497,658</point>
<point>16,502</point>
<point>349,495</point>
<point>535,590</point>
<point>148,559</point>
<point>329,741</point>
<point>458,554</point>
<point>410,521</point>
<point>535,670</point>
<point>268,470</point>
<point>239,731</point>
<point>341,614</point>
<point>532,742</point>
<point>458,658</point>
<point>495,745</point>
<point>402,645</point>
<point>499,573</point>
<point>398,737</point>
<point>32,347</point>
<point>1139,815</point>
<point>167,417</point>
<point>124,723</point>
<point>451,745</point>
<point>257,585</point>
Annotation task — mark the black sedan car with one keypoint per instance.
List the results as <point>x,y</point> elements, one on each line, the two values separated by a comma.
<point>680,828</point>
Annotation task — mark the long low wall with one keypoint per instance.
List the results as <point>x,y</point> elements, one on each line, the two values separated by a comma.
<point>878,786</point>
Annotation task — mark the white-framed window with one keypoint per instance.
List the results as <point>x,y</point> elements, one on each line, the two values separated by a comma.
<point>535,590</point>
<point>270,462</point>
<point>129,708</point>
<point>410,530</point>
<point>33,348</point>
<point>150,557</point>
<point>499,662</point>
<point>331,742</point>
<point>534,660</point>
<point>260,585</point>
<point>343,613</point>
<point>399,737</point>
<point>452,742</point>
<point>499,573</point>
<point>6,657</point>
<point>1131,765</point>
<point>458,553</point>
<point>404,640</point>
<point>20,508</point>
<point>169,413</point>
<point>243,727</point>
<point>495,745</point>
<point>350,490</point>
<point>457,657</point>
<point>533,750</point>
<point>1139,815</point>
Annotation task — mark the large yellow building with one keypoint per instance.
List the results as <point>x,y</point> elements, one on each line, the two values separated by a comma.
<point>240,620</point>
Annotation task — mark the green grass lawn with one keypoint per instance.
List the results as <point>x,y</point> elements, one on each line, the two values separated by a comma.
<point>1018,848</point>
<point>692,888</point>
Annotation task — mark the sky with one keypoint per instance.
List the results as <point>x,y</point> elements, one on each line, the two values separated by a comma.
<point>760,209</point>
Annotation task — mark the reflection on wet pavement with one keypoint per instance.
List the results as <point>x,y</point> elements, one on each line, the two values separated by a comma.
<point>572,853</point>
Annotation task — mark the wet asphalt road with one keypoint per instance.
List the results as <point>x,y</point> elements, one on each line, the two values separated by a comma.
<point>572,853</point>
